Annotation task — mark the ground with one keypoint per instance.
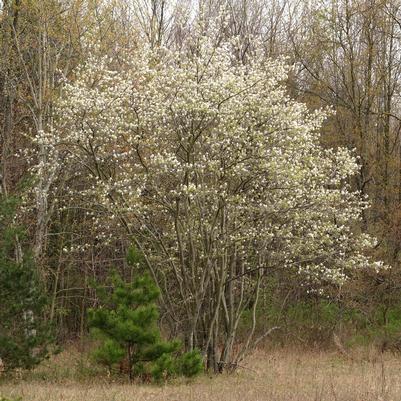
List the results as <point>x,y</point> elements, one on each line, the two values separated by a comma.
<point>274,375</point>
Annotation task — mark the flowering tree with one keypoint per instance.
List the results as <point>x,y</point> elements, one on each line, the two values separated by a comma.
<point>217,176</point>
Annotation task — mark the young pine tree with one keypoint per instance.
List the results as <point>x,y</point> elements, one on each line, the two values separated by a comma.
<point>24,335</point>
<point>127,325</point>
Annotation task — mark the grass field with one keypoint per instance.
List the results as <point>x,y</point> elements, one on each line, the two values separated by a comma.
<point>280,375</point>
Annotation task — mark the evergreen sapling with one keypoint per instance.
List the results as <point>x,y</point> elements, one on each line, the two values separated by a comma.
<point>24,334</point>
<point>127,326</point>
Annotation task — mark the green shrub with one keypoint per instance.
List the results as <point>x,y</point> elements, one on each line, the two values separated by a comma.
<point>190,363</point>
<point>126,325</point>
<point>24,335</point>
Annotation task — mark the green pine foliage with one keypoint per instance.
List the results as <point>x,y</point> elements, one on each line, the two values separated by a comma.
<point>127,326</point>
<point>24,335</point>
<point>190,363</point>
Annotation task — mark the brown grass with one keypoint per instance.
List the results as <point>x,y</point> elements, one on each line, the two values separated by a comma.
<point>267,376</point>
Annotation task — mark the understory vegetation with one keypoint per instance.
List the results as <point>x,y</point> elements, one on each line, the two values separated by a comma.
<point>290,374</point>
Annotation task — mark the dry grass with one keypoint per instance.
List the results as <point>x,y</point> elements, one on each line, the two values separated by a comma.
<point>268,376</point>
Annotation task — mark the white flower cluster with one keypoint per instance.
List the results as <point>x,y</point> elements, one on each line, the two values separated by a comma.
<point>210,164</point>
